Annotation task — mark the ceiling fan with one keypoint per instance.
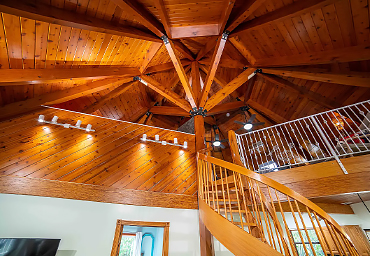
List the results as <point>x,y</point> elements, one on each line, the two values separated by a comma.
<point>248,125</point>
<point>217,142</point>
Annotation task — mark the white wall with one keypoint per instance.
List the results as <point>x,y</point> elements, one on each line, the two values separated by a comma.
<point>87,228</point>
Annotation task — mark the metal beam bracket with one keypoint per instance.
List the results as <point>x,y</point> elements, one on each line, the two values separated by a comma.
<point>258,70</point>
<point>198,112</point>
<point>225,35</point>
<point>137,78</point>
<point>244,108</point>
<point>165,39</point>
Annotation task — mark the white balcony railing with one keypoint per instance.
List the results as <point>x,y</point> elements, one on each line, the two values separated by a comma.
<point>326,136</point>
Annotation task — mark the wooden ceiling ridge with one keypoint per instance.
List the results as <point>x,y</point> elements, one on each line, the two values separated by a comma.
<point>47,13</point>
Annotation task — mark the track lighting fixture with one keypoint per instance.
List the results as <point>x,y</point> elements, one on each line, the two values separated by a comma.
<point>88,128</point>
<point>163,142</point>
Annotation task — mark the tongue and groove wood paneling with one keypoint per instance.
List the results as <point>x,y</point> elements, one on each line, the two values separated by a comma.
<point>112,156</point>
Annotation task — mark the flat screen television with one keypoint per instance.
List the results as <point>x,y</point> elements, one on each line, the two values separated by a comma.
<point>28,247</point>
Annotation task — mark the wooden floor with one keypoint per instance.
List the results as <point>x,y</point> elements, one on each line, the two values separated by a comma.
<point>112,156</point>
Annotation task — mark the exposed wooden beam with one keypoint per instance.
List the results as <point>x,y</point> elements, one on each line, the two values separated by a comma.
<point>234,54</point>
<point>229,88</point>
<point>228,6</point>
<point>225,62</point>
<point>222,108</point>
<point>195,30</point>
<point>165,66</point>
<point>149,55</point>
<point>171,85</point>
<point>37,75</point>
<point>260,117</point>
<point>47,13</point>
<point>168,111</point>
<point>164,16</point>
<point>249,90</point>
<point>209,46</point>
<point>270,114</point>
<point>348,78</point>
<point>149,118</point>
<point>209,120</point>
<point>315,97</point>
<point>195,76</point>
<point>111,95</point>
<point>166,92</point>
<point>180,72</point>
<point>142,14</point>
<point>246,10</point>
<point>183,49</point>
<point>56,97</point>
<point>213,68</point>
<point>219,80</point>
<point>238,44</point>
<point>348,54</point>
<point>142,119</point>
<point>288,11</point>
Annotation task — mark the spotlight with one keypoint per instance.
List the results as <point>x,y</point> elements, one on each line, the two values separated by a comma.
<point>185,144</point>
<point>78,124</point>
<point>156,137</point>
<point>164,142</point>
<point>54,120</point>
<point>227,114</point>
<point>144,137</point>
<point>248,126</point>
<point>88,127</point>
<point>175,140</point>
<point>41,118</point>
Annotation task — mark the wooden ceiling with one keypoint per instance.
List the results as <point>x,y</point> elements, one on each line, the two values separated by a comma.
<point>82,55</point>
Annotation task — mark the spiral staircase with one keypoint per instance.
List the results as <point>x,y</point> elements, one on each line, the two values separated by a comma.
<point>251,214</point>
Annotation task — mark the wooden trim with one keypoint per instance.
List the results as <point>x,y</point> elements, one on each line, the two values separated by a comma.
<point>38,75</point>
<point>121,223</point>
<point>229,88</point>
<point>47,13</point>
<point>234,148</point>
<point>222,108</point>
<point>288,11</point>
<point>329,208</point>
<point>168,111</point>
<point>56,97</point>
<point>348,78</point>
<point>142,14</point>
<point>70,190</point>
<point>348,54</point>
<point>167,93</point>
<point>315,97</point>
<point>236,240</point>
<point>195,31</point>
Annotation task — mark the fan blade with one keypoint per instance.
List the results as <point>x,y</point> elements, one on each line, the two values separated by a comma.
<point>217,137</point>
<point>225,140</point>
<point>222,146</point>
<point>259,123</point>
<point>252,118</point>
<point>238,122</point>
<point>240,129</point>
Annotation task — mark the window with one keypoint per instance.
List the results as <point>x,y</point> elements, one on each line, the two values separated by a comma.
<point>266,167</point>
<point>137,238</point>
<point>300,246</point>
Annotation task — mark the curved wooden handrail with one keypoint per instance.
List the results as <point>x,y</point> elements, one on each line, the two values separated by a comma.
<point>233,238</point>
<point>274,184</point>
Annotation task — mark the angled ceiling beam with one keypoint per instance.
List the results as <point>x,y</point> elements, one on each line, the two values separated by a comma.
<point>37,75</point>
<point>219,80</point>
<point>260,117</point>
<point>222,108</point>
<point>149,118</point>
<point>348,54</point>
<point>231,51</point>
<point>288,11</point>
<point>229,88</point>
<point>166,92</point>
<point>171,85</point>
<point>315,97</point>
<point>180,71</point>
<point>195,77</point>
<point>111,95</point>
<point>228,6</point>
<point>149,55</point>
<point>226,62</point>
<point>246,10</point>
<point>165,66</point>
<point>164,16</point>
<point>47,13</point>
<point>270,114</point>
<point>348,78</point>
<point>142,119</point>
<point>238,44</point>
<point>213,68</point>
<point>209,46</point>
<point>168,111</point>
<point>57,97</point>
<point>183,49</point>
<point>142,14</point>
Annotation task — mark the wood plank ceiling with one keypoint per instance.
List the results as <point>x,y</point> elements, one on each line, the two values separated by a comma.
<point>314,55</point>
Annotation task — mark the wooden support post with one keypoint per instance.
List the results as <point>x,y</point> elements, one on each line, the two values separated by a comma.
<point>206,241</point>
